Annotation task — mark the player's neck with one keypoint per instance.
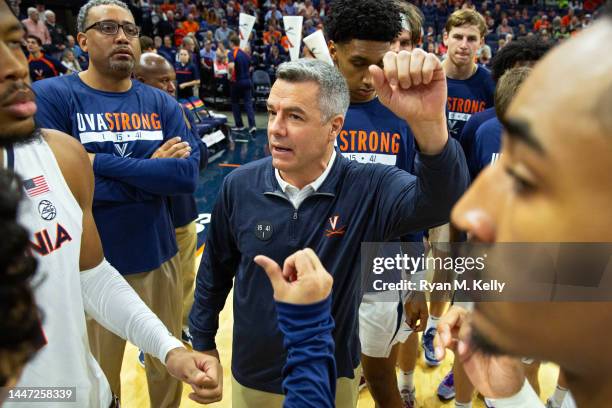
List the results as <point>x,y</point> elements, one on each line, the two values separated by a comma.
<point>459,72</point>
<point>100,82</point>
<point>37,54</point>
<point>302,179</point>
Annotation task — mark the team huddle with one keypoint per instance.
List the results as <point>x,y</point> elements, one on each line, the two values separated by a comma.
<point>388,144</point>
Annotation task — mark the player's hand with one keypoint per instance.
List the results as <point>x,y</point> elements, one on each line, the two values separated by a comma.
<point>412,84</point>
<point>493,376</point>
<point>202,371</point>
<point>416,312</point>
<point>303,279</point>
<point>173,149</point>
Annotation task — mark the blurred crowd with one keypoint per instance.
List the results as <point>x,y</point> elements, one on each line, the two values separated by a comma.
<point>194,35</point>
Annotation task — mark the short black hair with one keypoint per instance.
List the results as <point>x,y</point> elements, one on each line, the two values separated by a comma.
<point>521,50</point>
<point>370,20</point>
<point>35,38</point>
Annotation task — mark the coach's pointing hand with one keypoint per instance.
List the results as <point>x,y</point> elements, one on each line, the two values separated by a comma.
<point>303,279</point>
<point>413,86</point>
<point>202,371</point>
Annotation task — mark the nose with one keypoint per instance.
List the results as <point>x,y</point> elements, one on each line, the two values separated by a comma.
<point>121,37</point>
<point>478,211</point>
<point>171,87</point>
<point>276,126</point>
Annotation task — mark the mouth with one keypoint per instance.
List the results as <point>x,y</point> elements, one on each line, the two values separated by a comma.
<point>365,91</point>
<point>123,53</point>
<point>20,104</point>
<point>281,150</point>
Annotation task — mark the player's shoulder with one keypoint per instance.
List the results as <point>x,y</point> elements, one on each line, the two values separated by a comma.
<point>72,160</point>
<point>56,84</point>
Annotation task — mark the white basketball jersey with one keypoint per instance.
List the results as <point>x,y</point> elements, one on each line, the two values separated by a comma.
<point>54,219</point>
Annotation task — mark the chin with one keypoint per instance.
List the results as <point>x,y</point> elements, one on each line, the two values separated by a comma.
<point>17,132</point>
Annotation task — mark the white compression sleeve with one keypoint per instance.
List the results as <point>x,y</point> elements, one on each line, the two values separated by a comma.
<point>112,302</point>
<point>525,398</point>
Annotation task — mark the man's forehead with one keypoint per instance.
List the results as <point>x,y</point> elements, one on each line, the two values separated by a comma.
<point>294,94</point>
<point>465,29</point>
<point>365,49</point>
<point>109,12</point>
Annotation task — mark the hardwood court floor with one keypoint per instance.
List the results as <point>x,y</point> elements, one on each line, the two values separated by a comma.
<point>133,380</point>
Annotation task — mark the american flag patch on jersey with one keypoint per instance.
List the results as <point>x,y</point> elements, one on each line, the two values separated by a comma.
<point>36,186</point>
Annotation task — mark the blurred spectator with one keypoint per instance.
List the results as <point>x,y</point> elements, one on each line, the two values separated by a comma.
<point>36,27</point>
<point>167,6</point>
<point>231,16</point>
<point>190,25</point>
<point>190,43</point>
<point>307,9</point>
<point>42,66</point>
<point>542,23</point>
<point>221,51</point>
<point>322,8</point>
<point>562,34</point>
<point>218,11</point>
<point>167,25</point>
<point>157,42</point>
<point>222,33</point>
<point>167,50</point>
<point>70,61</point>
<point>290,9</point>
<point>220,65</point>
<point>544,36</point>
<point>273,13</point>
<point>566,19</point>
<point>273,61</point>
<point>57,34</point>
<point>522,31</point>
<point>147,44</point>
<point>504,28</point>
<point>207,54</point>
<point>500,43</point>
<point>484,57</point>
<point>271,32</point>
<point>209,36</point>
<point>187,75</point>
<point>179,34</point>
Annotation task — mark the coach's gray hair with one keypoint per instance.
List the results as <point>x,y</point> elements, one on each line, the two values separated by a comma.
<point>333,90</point>
<point>84,11</point>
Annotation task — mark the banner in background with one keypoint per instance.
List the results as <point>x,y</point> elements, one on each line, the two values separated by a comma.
<point>245,25</point>
<point>293,30</point>
<point>318,46</point>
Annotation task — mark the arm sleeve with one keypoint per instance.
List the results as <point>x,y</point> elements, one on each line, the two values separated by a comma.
<point>107,190</point>
<point>112,302</point>
<point>50,114</point>
<point>309,374</point>
<point>157,176</point>
<point>486,143</point>
<point>214,279</point>
<point>423,201</point>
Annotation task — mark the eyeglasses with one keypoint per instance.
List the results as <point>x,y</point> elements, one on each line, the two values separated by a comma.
<point>110,27</point>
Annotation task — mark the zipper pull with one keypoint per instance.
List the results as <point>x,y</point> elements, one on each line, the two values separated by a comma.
<point>295,215</point>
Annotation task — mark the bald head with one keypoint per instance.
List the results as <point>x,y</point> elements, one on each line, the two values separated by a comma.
<point>154,70</point>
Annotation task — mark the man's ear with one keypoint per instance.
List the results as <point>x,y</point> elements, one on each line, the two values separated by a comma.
<point>82,41</point>
<point>331,46</point>
<point>337,122</point>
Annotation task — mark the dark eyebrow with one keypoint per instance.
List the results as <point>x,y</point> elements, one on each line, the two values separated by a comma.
<point>290,109</point>
<point>520,130</point>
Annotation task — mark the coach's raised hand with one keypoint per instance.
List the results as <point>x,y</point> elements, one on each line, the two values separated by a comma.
<point>303,279</point>
<point>413,86</point>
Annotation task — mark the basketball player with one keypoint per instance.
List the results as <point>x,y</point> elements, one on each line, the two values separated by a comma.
<point>353,48</point>
<point>20,331</point>
<point>307,195</point>
<point>58,182</point>
<point>531,195</point>
<point>412,27</point>
<point>124,125</point>
<point>156,71</point>
<point>470,90</point>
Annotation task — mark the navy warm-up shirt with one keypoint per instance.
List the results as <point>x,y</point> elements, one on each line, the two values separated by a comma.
<point>487,144</point>
<point>45,67</point>
<point>466,97</point>
<point>468,135</point>
<point>124,129</point>
<point>242,64</point>
<point>356,203</point>
<point>186,73</point>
